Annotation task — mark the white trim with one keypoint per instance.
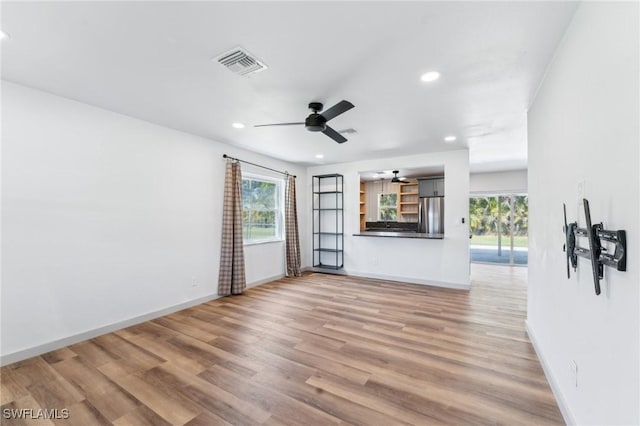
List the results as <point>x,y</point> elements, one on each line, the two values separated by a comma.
<point>256,242</point>
<point>90,334</point>
<point>265,280</point>
<point>433,283</point>
<point>553,383</point>
<point>399,280</point>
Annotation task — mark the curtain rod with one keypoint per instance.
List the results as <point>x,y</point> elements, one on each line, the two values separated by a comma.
<point>258,165</point>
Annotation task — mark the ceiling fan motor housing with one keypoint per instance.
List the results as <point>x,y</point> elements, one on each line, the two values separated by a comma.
<point>315,123</point>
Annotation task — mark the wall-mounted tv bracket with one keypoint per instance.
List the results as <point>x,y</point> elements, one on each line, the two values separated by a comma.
<point>596,253</point>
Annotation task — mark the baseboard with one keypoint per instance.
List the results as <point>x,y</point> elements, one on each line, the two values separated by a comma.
<point>455,286</point>
<point>265,280</point>
<point>553,383</point>
<point>90,334</point>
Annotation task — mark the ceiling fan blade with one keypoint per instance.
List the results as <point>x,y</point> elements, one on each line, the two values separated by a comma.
<point>337,109</point>
<point>334,135</point>
<point>278,124</point>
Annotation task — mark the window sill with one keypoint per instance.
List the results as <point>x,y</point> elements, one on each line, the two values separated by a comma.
<point>255,243</point>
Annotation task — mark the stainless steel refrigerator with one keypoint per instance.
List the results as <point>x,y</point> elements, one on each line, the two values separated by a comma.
<point>431,215</point>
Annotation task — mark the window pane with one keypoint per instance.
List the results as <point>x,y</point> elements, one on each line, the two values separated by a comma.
<point>388,200</point>
<point>388,213</point>
<point>260,209</point>
<point>259,232</point>
<point>259,194</point>
<point>388,206</point>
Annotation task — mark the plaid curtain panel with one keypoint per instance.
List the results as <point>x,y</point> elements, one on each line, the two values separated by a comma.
<point>292,239</point>
<point>231,279</point>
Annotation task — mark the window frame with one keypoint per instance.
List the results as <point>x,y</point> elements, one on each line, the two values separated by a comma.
<point>279,209</point>
<point>380,219</point>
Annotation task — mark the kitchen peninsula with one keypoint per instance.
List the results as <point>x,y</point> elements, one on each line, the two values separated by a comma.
<point>396,230</point>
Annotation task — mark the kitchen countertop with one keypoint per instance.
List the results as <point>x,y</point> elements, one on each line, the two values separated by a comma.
<point>399,235</point>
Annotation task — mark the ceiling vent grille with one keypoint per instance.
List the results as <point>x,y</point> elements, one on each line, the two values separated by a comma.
<point>241,62</point>
<point>349,131</point>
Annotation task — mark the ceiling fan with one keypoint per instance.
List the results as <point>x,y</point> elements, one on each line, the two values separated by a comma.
<point>397,179</point>
<point>317,122</point>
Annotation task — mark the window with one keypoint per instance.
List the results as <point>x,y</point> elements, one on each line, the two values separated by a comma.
<point>262,209</point>
<point>388,206</point>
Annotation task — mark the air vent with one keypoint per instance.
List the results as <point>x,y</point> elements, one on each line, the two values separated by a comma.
<point>349,131</point>
<point>241,62</point>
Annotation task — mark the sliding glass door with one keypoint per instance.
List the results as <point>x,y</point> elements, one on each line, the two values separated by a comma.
<point>499,228</point>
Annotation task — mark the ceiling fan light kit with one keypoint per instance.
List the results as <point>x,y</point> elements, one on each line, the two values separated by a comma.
<point>317,122</point>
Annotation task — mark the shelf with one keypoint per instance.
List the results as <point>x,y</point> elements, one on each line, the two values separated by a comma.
<point>407,213</point>
<point>415,203</point>
<point>320,265</point>
<point>329,175</point>
<point>328,221</point>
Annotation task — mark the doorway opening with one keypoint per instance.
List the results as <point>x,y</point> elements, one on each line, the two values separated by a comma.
<point>499,228</point>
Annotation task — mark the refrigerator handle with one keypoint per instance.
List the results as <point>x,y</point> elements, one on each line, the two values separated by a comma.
<point>420,215</point>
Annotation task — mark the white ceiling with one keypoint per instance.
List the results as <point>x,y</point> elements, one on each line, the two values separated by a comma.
<point>152,60</point>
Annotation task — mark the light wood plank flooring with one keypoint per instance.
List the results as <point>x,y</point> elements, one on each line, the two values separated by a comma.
<point>317,350</point>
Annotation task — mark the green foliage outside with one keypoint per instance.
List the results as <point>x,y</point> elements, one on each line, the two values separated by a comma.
<point>487,215</point>
<point>259,209</point>
<point>388,205</point>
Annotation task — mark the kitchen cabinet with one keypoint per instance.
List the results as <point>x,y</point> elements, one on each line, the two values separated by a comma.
<point>433,187</point>
<point>328,221</point>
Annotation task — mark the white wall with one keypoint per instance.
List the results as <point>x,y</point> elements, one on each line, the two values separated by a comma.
<point>583,126</point>
<point>438,262</point>
<point>106,218</point>
<point>498,182</point>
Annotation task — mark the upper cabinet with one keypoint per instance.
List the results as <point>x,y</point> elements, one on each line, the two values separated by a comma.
<point>433,187</point>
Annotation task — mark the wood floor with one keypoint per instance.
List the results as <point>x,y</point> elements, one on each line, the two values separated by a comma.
<point>317,350</point>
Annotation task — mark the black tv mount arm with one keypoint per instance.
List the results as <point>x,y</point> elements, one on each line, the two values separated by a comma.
<point>596,253</point>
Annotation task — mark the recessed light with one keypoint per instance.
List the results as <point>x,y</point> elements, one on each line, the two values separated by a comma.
<point>238,126</point>
<point>450,138</point>
<point>3,35</point>
<point>319,156</point>
<point>430,76</point>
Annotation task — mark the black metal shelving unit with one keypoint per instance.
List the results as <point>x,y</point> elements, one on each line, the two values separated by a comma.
<point>328,221</point>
